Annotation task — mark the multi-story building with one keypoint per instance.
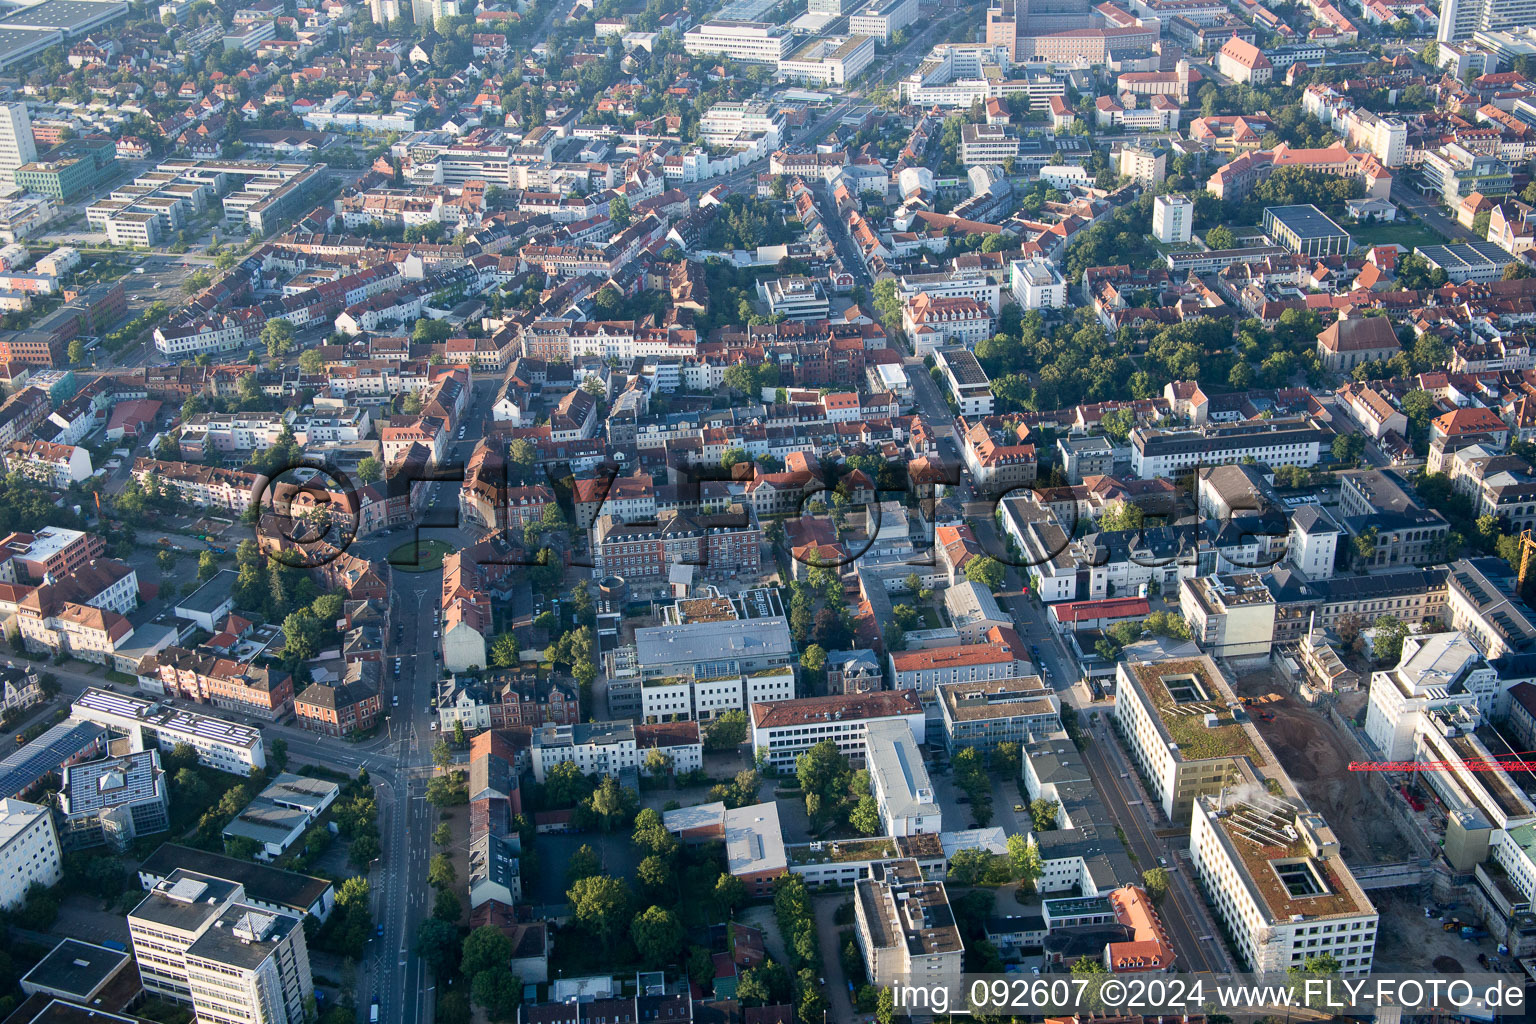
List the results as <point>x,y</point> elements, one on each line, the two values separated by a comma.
<point>755,42</point>
<point>1231,616</point>
<point>1462,19</point>
<point>199,943</point>
<point>1177,721</point>
<point>988,712</point>
<point>206,677</point>
<point>1157,452</point>
<point>998,459</point>
<point>1435,670</point>
<point>898,781</point>
<point>967,381</point>
<point>925,671</point>
<point>224,745</point>
<point>29,851</point>
<point>606,748</point>
<point>17,146</point>
<point>784,729</point>
<point>1273,872</point>
<point>1035,283</point>
<point>505,700</point>
<point>882,19</point>
<point>719,545</point>
<point>338,709</point>
<point>988,144</point>
<point>906,928</point>
<point>113,802</point>
<point>933,322</point>
<point>1454,172</point>
<point>1483,601</point>
<point>50,551</point>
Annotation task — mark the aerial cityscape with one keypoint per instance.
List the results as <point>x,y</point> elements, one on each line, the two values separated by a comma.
<point>766,511</point>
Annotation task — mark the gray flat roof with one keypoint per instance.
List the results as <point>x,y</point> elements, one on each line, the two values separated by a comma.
<point>210,595</point>
<point>263,883</point>
<point>184,900</point>
<point>1306,220</point>
<point>712,641</point>
<point>75,968</point>
<point>70,16</point>
<point>1465,254</point>
<point>18,41</point>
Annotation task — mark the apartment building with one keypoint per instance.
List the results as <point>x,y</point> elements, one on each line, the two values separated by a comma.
<point>784,729</point>
<point>606,748</point>
<point>1173,218</point>
<point>906,928</point>
<point>29,851</point>
<point>224,745</point>
<point>1178,723</point>
<point>1273,872</point>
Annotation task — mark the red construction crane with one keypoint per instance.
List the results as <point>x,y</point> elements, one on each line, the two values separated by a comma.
<point>1506,763</point>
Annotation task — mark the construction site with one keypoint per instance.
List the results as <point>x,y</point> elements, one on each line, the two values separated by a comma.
<point>1315,752</point>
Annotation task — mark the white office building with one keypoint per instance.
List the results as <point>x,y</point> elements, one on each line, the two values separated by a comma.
<point>755,42</point>
<point>1036,284</point>
<point>1434,671</point>
<point>198,943</point>
<point>1274,875</point>
<point>29,851</point>
<point>224,745</point>
<point>882,19</point>
<point>898,781</point>
<point>785,729</point>
<point>17,146</point>
<point>1173,218</point>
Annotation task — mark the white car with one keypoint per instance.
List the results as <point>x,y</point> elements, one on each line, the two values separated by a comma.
<point>396,701</point>
<point>434,727</point>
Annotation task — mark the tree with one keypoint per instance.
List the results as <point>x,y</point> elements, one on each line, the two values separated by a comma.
<point>446,907</point>
<point>442,835</point>
<point>1390,633</point>
<point>619,213</point>
<point>726,732</point>
<point>657,935</point>
<point>611,803</point>
<point>459,739</point>
<point>985,570</point>
<point>600,906</point>
<point>1155,881</point>
<point>1221,237</point>
<point>277,336</point>
<point>505,651</point>
<point>1348,448</point>
<point>1042,814</point>
<point>484,948</point>
<point>657,763</point>
<point>437,943</point>
<point>369,470</point>
<point>582,864</point>
<point>730,893</point>
<point>498,990</point>
<point>311,362</point>
<point>813,658</point>
<point>302,631</point>
<point>652,835</point>
<point>441,872</point>
<point>207,566</point>
<point>865,816</point>
<point>442,755</point>
<point>76,352</point>
<point>1024,860</point>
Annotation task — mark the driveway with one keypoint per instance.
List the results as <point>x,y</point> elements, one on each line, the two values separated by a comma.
<point>840,1006</point>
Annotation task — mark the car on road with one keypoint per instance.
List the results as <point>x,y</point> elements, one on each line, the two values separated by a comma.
<point>434,727</point>
<point>395,702</point>
<point>1162,861</point>
<point>1018,808</point>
